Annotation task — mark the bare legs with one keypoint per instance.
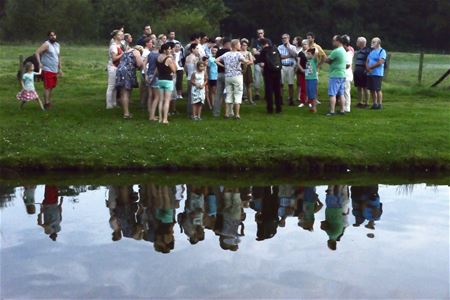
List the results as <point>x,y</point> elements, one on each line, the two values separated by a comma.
<point>152,103</point>
<point>363,95</point>
<point>164,104</point>
<point>197,110</point>
<point>377,97</point>
<point>47,96</point>
<point>333,100</point>
<point>125,101</point>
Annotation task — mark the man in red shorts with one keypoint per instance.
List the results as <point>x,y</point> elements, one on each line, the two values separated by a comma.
<point>48,57</point>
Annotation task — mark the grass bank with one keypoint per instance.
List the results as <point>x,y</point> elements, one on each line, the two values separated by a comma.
<point>411,133</point>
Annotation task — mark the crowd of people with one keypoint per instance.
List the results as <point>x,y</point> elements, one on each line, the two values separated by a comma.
<point>149,212</point>
<point>222,70</point>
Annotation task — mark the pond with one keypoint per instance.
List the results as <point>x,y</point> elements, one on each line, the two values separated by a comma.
<point>233,240</point>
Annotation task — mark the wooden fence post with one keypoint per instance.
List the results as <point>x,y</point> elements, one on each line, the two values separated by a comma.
<point>420,67</point>
<point>20,69</point>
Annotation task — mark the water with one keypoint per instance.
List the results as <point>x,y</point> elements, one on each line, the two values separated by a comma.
<point>237,242</point>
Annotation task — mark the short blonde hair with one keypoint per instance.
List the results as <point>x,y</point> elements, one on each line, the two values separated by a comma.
<point>234,43</point>
<point>244,40</point>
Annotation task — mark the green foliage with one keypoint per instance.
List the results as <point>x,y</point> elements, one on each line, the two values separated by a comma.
<point>406,25</point>
<point>93,20</point>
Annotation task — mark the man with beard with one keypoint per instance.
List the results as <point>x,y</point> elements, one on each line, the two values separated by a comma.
<point>48,58</point>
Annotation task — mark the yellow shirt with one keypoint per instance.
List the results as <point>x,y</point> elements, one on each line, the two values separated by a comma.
<point>321,54</point>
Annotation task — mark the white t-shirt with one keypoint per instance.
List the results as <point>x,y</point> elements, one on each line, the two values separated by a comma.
<point>112,50</point>
<point>177,60</point>
<point>349,61</point>
<point>145,53</point>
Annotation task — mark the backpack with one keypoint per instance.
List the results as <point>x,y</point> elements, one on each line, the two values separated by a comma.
<point>386,65</point>
<point>273,60</point>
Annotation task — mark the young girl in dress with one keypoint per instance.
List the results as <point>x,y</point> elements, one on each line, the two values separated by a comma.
<point>199,80</point>
<point>28,92</point>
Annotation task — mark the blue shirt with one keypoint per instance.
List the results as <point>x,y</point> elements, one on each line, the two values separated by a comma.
<point>213,70</point>
<point>374,56</point>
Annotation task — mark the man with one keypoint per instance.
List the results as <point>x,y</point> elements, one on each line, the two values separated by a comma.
<point>375,72</point>
<point>147,33</point>
<point>171,37</point>
<point>288,59</point>
<point>49,60</point>
<point>257,47</point>
<point>336,82</point>
<point>312,44</point>
<point>348,72</point>
<point>217,105</point>
<point>360,75</point>
<point>270,61</point>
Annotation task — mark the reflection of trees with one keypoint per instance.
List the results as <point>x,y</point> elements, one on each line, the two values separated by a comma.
<point>7,195</point>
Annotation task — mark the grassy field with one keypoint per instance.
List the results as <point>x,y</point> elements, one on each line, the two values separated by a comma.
<point>412,132</point>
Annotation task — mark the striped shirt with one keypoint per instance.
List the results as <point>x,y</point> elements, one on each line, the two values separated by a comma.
<point>285,52</point>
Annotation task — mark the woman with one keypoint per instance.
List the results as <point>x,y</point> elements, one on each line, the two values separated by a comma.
<point>126,76</point>
<point>301,66</point>
<point>166,70</point>
<point>151,80</point>
<point>247,70</point>
<point>234,82</point>
<point>115,54</point>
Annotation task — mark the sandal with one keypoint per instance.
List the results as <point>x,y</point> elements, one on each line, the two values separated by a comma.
<point>128,117</point>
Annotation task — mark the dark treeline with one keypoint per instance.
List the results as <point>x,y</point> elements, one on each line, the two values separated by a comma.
<point>402,25</point>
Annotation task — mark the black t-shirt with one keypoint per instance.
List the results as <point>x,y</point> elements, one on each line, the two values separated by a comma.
<point>221,52</point>
<point>303,59</point>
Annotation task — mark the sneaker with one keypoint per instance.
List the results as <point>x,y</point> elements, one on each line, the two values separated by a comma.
<point>380,106</point>
<point>359,105</point>
<point>318,102</point>
<point>301,105</point>
<point>330,114</point>
<point>374,106</point>
<point>342,113</point>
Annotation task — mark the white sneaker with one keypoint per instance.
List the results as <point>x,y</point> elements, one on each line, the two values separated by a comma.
<point>301,105</point>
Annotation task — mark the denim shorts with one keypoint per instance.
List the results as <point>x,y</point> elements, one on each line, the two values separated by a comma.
<point>311,89</point>
<point>166,85</point>
<point>336,87</point>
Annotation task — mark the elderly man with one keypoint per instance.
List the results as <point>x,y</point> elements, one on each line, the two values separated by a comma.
<point>288,60</point>
<point>359,74</point>
<point>336,82</point>
<point>375,72</point>
<point>49,60</point>
<point>257,47</point>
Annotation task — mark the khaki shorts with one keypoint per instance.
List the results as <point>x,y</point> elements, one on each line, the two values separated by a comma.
<point>287,75</point>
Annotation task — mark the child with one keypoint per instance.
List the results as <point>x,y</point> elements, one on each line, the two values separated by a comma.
<point>28,92</point>
<point>199,80</point>
<point>212,75</point>
<point>189,67</point>
<point>311,78</point>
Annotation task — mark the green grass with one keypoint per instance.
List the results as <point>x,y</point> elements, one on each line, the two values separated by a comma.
<point>412,132</point>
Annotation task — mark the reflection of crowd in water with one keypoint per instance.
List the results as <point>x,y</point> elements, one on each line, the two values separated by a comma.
<point>152,213</point>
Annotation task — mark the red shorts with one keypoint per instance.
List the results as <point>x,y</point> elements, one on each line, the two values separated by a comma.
<point>50,79</point>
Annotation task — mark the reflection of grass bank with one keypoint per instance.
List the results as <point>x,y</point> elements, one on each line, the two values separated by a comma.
<point>411,133</point>
<point>231,179</point>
